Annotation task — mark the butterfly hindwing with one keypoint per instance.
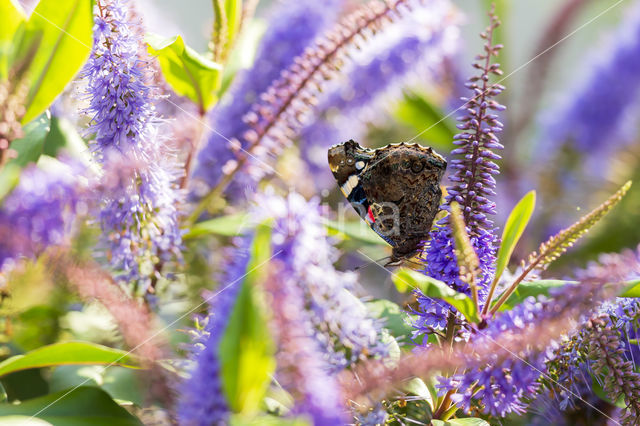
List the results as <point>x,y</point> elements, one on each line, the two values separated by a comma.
<point>395,189</point>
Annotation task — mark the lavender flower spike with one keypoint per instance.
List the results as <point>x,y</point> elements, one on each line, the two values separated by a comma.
<point>293,27</point>
<point>340,322</point>
<point>139,197</point>
<point>601,112</point>
<point>472,187</point>
<point>40,211</point>
<point>202,401</point>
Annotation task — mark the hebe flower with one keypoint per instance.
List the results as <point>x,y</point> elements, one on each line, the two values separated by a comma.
<point>473,185</point>
<point>293,26</point>
<point>340,322</point>
<point>201,400</point>
<point>600,112</point>
<point>40,211</point>
<point>508,381</point>
<point>302,367</point>
<point>139,198</point>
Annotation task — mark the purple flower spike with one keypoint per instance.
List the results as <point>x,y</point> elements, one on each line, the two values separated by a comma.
<point>294,26</point>
<point>138,192</point>
<point>202,401</point>
<point>340,322</point>
<point>473,186</point>
<point>40,211</point>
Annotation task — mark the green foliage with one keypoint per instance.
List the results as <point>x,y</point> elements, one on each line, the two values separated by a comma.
<point>75,407</point>
<point>11,16</point>
<point>513,229</point>
<point>354,230</point>
<point>246,348</point>
<point>531,288</point>
<point>468,263</point>
<point>430,287</point>
<point>64,136</point>
<point>31,146</point>
<point>421,113</point>
<point>555,246</point>
<point>67,353</point>
<point>227,226</point>
<point>187,72</point>
<point>395,318</point>
<point>120,383</point>
<point>631,289</point>
<point>9,178</point>
<point>61,33</point>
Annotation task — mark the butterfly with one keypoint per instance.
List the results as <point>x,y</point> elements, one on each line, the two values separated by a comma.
<point>395,189</point>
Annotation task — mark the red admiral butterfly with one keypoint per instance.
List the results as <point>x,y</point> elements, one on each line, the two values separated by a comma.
<point>395,189</point>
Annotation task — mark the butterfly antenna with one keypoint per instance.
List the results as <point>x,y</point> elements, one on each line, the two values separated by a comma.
<point>357,268</point>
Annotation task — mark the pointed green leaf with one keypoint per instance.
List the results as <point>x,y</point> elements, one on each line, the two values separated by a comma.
<point>631,289</point>
<point>66,29</point>
<point>74,407</point>
<point>68,353</point>
<point>11,16</point>
<point>357,230</point>
<point>227,226</point>
<point>63,135</point>
<point>9,178</point>
<point>246,348</point>
<point>407,278</point>
<point>532,288</point>
<point>513,229</point>
<point>31,146</point>
<point>421,113</point>
<point>395,319</point>
<point>187,72</point>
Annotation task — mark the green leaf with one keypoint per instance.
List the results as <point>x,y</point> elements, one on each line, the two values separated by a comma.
<point>420,113</point>
<point>31,146</point>
<point>9,178</point>
<point>631,289</point>
<point>63,135</point>
<point>532,288</point>
<point>418,387</point>
<point>11,16</point>
<point>75,407</point>
<point>227,226</point>
<point>233,12</point>
<point>394,316</point>
<point>513,229</point>
<point>66,29</point>
<point>467,421</point>
<point>266,420</point>
<point>120,383</point>
<point>357,230</point>
<point>246,348</point>
<point>65,354</point>
<point>187,72</point>
<point>407,278</point>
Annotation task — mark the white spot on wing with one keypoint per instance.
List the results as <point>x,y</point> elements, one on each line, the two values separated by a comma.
<point>348,186</point>
<point>360,165</point>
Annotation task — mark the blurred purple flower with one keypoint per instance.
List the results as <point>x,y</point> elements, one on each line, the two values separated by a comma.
<point>40,211</point>
<point>412,49</point>
<point>302,368</point>
<point>473,185</point>
<point>600,114</point>
<point>293,26</point>
<point>508,382</point>
<point>139,197</point>
<point>341,324</point>
<point>202,401</point>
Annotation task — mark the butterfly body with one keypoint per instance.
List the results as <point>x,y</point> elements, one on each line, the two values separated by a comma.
<point>395,189</point>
